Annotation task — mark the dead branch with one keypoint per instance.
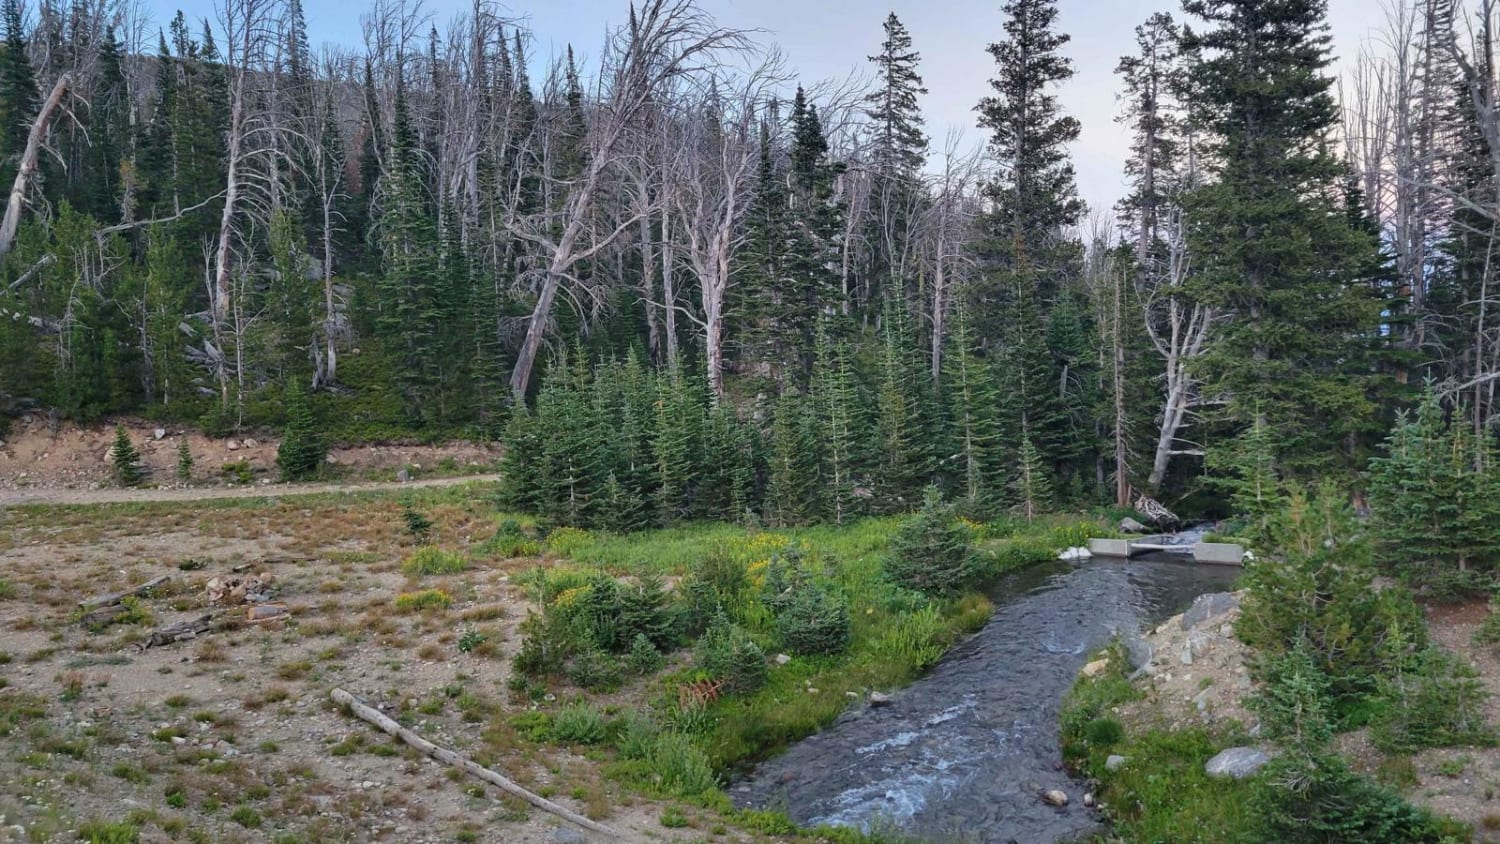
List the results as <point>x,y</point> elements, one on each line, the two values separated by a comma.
<point>370,714</point>
<point>117,597</point>
<point>28,168</point>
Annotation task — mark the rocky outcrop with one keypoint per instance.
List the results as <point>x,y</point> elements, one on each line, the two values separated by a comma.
<point>1236,763</point>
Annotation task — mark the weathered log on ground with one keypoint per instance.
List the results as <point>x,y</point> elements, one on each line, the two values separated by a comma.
<point>179,631</point>
<point>370,714</point>
<point>117,597</point>
<point>102,617</point>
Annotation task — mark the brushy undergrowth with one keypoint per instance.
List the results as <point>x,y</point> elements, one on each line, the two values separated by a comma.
<point>432,560</point>
<point>762,634</point>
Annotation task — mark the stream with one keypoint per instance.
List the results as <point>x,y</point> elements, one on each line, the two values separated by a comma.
<point>961,754</point>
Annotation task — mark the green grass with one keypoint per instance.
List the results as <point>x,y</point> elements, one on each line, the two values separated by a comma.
<point>432,560</point>
<point>895,634</point>
<point>427,599</point>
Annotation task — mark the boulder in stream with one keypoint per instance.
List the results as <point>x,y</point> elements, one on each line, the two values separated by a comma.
<point>1055,797</point>
<point>880,699</point>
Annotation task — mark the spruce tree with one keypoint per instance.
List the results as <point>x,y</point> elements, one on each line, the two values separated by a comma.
<point>1035,195</point>
<point>18,93</point>
<point>900,151</point>
<point>971,400</point>
<point>838,407</point>
<point>793,494</point>
<point>126,460</point>
<point>1032,485</point>
<point>303,449</point>
<point>1276,253</point>
<point>902,458</point>
<point>184,461</point>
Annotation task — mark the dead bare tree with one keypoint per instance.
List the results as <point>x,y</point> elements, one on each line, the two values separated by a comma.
<point>664,41</point>
<point>943,236</point>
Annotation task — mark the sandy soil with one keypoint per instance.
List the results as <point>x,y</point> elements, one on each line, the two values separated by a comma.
<point>35,456</point>
<point>230,737</point>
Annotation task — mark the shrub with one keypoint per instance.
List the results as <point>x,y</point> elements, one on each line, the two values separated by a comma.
<point>470,640</point>
<point>1294,701</point>
<point>728,654</point>
<point>814,621</point>
<point>636,736</point>
<point>644,658</point>
<point>931,552</point>
<point>418,526</point>
<point>717,581</point>
<point>1103,732</point>
<point>1321,595</point>
<point>579,723</point>
<point>1436,700</point>
<point>104,832</point>
<point>238,472</point>
<point>128,470</point>
<point>1489,632</point>
<point>590,668</point>
<point>427,599</point>
<point>302,450</point>
<point>679,767</point>
<point>428,560</point>
<point>1312,800</point>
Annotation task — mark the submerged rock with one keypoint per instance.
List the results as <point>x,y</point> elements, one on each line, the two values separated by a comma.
<point>880,699</point>
<point>1236,763</point>
<point>1054,797</point>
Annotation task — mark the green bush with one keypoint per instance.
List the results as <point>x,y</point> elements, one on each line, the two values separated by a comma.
<point>717,581</point>
<point>589,667</point>
<point>429,560</point>
<point>1320,596</point>
<point>727,653</point>
<point>644,658</point>
<point>1103,732</point>
<point>1294,701</point>
<point>1317,799</point>
<point>814,621</point>
<point>427,599</point>
<point>931,553</point>
<point>1436,700</point>
<point>579,723</point>
<point>679,767</point>
<point>635,736</point>
<point>105,832</point>
<point>1489,632</point>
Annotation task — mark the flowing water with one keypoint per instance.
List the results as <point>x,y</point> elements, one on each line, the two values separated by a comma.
<point>961,754</point>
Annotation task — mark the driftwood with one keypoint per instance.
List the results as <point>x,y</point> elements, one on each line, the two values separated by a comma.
<point>117,597</point>
<point>368,713</point>
<point>179,631</point>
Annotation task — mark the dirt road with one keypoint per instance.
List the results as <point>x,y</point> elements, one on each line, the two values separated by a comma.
<point>20,497</point>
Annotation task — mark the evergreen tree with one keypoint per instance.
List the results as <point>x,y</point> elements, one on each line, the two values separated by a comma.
<point>1275,251</point>
<point>971,398</point>
<point>302,450</point>
<point>1033,487</point>
<point>900,151</point>
<point>1035,196</point>
<point>184,461</point>
<point>793,493</point>
<point>126,460</point>
<point>18,93</point>
<point>902,460</point>
<point>838,409</point>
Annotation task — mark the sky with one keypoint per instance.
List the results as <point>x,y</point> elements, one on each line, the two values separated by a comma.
<point>829,39</point>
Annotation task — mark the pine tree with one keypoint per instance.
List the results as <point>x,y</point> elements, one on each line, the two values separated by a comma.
<point>902,459</point>
<point>971,398</point>
<point>793,494</point>
<point>900,151</point>
<point>1277,254</point>
<point>184,461</point>
<point>1035,195</point>
<point>675,440</point>
<point>1032,485</point>
<point>838,407</point>
<point>302,450</point>
<point>126,460</point>
<point>18,93</point>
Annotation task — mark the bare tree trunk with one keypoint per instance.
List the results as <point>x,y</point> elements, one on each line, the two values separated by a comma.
<point>30,161</point>
<point>668,286</point>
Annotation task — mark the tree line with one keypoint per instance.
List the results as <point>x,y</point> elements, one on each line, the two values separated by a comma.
<point>439,233</point>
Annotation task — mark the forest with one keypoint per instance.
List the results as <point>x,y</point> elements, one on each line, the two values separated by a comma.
<point>689,284</point>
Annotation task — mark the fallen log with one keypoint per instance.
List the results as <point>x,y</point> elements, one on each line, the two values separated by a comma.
<point>102,616</point>
<point>179,631</point>
<point>370,714</point>
<point>117,597</point>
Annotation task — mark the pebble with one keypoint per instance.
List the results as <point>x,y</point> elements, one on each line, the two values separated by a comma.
<point>367,784</point>
<point>782,659</point>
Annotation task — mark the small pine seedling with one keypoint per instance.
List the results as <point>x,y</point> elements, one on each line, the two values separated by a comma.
<point>418,525</point>
<point>127,461</point>
<point>184,461</point>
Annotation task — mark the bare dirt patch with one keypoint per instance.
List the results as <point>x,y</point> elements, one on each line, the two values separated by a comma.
<point>231,736</point>
<point>38,455</point>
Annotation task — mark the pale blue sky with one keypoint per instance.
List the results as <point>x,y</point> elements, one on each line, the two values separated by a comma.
<point>823,39</point>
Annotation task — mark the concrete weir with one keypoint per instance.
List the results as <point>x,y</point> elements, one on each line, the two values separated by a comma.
<point>1215,553</point>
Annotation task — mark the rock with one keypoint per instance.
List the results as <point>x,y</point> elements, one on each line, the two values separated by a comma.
<point>1054,797</point>
<point>1093,668</point>
<point>567,835</point>
<point>249,443</point>
<point>232,445</point>
<point>1236,763</point>
<point>159,433</point>
<point>1209,606</point>
<point>1129,525</point>
<point>1114,762</point>
<point>1088,800</point>
<point>404,476</point>
<point>1195,646</point>
<point>1201,699</point>
<point>1138,651</point>
<point>782,659</point>
<point>1074,554</point>
<point>880,699</point>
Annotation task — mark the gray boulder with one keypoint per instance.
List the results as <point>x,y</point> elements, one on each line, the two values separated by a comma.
<point>1210,606</point>
<point>1236,763</point>
<point>1129,525</point>
<point>1115,762</point>
<point>1138,651</point>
